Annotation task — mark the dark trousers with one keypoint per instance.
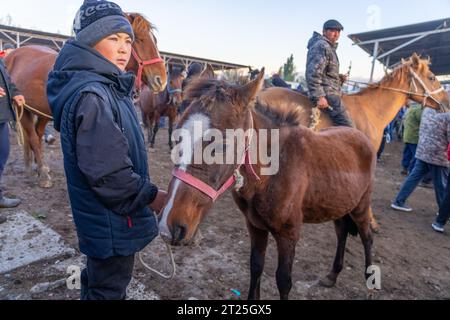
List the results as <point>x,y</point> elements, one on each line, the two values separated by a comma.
<point>444,209</point>
<point>409,157</point>
<point>106,279</point>
<point>4,150</point>
<point>338,114</point>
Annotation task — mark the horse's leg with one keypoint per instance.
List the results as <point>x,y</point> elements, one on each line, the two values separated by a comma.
<point>373,222</point>
<point>155,129</point>
<point>172,117</point>
<point>28,128</point>
<point>361,217</point>
<point>44,180</point>
<point>32,137</point>
<point>342,230</point>
<point>259,240</point>
<point>366,234</point>
<point>286,243</point>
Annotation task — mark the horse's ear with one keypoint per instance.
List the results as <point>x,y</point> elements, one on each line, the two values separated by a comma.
<point>415,60</point>
<point>208,73</point>
<point>249,91</point>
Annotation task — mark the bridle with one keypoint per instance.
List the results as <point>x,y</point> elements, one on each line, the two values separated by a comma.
<point>236,179</point>
<point>426,94</point>
<point>141,65</point>
<point>414,89</point>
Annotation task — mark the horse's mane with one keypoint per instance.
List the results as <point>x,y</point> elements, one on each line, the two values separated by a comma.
<point>398,74</point>
<point>280,117</point>
<point>213,92</point>
<point>140,23</point>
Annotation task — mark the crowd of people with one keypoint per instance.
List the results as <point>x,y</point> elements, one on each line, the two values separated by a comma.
<point>108,193</point>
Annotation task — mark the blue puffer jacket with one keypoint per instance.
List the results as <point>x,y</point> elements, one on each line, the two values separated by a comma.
<point>105,158</point>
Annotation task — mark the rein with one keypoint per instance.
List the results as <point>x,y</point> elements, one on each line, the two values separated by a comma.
<point>236,179</point>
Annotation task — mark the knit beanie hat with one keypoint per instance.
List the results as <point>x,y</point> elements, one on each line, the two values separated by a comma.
<point>98,19</point>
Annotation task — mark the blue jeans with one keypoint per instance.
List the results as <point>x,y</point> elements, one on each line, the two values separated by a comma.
<point>409,157</point>
<point>444,209</point>
<point>4,150</point>
<point>421,169</point>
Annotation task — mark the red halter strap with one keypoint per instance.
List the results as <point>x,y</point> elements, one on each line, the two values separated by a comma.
<point>208,190</point>
<point>235,178</point>
<point>142,64</point>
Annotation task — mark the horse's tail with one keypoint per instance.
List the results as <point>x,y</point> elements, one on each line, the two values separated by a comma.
<point>351,225</point>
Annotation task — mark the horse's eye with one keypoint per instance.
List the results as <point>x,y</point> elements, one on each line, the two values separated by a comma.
<point>432,78</point>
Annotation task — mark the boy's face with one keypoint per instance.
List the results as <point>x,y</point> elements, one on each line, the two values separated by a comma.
<point>116,48</point>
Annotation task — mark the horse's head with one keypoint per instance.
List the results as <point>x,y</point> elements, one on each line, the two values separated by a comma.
<point>423,85</point>
<point>175,85</point>
<point>197,184</point>
<point>146,61</point>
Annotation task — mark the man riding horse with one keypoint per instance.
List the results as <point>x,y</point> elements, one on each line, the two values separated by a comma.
<point>322,73</point>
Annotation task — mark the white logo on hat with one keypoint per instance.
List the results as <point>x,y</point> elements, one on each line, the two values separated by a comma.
<point>77,21</point>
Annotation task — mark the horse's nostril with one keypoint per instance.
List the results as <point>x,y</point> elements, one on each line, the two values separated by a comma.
<point>158,81</point>
<point>179,233</point>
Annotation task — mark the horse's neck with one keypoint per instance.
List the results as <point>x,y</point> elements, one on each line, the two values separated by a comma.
<point>376,105</point>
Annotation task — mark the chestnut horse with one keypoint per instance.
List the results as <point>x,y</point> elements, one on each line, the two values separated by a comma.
<point>163,104</point>
<point>29,68</point>
<point>310,187</point>
<point>375,107</point>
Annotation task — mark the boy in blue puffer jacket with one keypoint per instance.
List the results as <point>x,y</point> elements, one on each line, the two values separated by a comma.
<point>105,158</point>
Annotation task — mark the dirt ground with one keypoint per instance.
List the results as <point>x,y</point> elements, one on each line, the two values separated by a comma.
<point>414,260</point>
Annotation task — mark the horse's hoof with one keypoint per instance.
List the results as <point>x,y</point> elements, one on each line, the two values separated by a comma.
<point>327,282</point>
<point>45,184</point>
<point>375,228</point>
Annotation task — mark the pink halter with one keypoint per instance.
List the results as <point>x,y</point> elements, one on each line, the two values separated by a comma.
<point>142,64</point>
<point>235,178</point>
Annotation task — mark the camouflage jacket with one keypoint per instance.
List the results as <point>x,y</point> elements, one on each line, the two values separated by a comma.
<point>322,68</point>
<point>434,138</point>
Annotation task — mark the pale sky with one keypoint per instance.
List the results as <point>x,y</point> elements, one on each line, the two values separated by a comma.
<point>248,32</point>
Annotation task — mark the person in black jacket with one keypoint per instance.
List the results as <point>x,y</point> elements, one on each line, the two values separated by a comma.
<point>8,94</point>
<point>112,197</point>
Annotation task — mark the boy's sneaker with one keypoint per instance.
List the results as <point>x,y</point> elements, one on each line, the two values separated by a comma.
<point>399,207</point>
<point>437,227</point>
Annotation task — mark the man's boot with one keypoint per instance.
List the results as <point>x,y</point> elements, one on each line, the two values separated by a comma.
<point>6,203</point>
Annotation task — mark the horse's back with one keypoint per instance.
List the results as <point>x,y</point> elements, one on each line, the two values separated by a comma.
<point>29,68</point>
<point>285,99</point>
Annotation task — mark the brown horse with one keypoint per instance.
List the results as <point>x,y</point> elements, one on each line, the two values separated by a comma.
<point>163,104</point>
<point>375,107</point>
<point>310,187</point>
<point>29,68</point>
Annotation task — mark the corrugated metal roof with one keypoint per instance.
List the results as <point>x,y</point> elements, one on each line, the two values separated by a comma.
<point>436,46</point>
